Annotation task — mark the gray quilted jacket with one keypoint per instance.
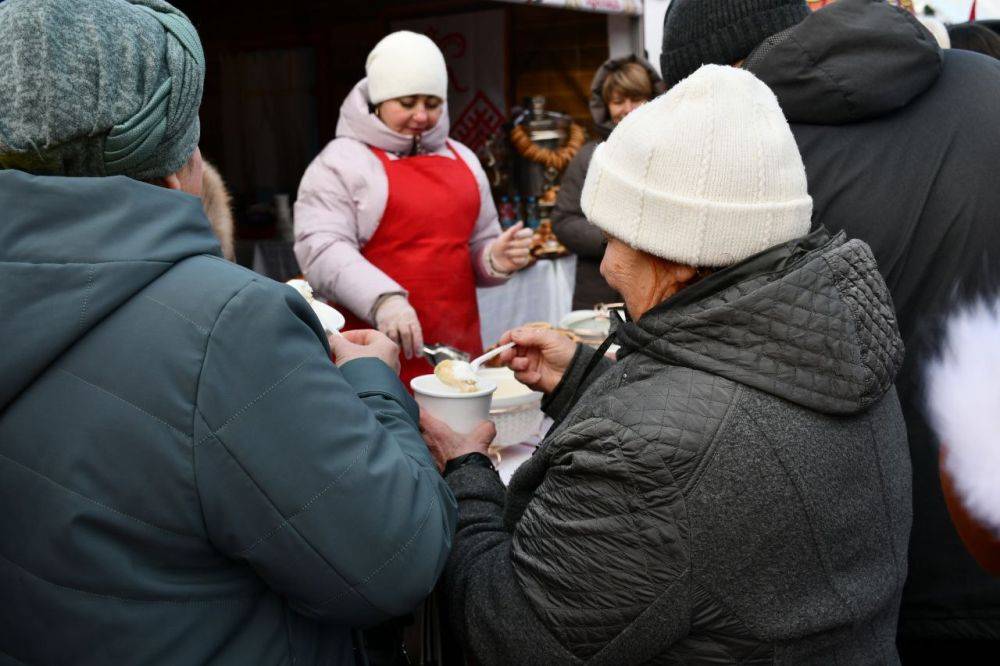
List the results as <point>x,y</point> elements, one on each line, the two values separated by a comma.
<point>734,489</point>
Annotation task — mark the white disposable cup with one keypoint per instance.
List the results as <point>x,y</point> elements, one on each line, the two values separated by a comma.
<point>461,411</point>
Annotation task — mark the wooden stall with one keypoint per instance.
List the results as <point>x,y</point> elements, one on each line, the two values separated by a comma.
<point>277,73</point>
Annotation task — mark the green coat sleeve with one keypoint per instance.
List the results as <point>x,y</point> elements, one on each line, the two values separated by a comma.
<point>316,477</point>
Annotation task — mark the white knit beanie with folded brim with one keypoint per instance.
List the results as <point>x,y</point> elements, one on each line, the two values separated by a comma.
<point>707,174</point>
<point>405,63</point>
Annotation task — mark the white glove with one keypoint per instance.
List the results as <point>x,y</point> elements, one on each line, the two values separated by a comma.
<point>511,251</point>
<point>397,319</point>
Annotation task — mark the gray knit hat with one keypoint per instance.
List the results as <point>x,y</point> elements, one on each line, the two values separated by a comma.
<point>720,32</point>
<point>98,87</point>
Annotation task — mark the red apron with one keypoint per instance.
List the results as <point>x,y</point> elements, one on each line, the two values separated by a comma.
<point>422,242</point>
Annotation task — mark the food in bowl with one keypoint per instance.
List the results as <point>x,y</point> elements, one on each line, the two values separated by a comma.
<point>508,388</point>
<point>457,375</point>
<point>303,288</point>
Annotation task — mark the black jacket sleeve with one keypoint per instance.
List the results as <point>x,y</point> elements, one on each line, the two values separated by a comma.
<point>494,621</point>
<point>597,567</point>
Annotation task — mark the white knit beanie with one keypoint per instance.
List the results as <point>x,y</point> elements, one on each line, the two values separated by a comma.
<point>405,63</point>
<point>707,174</point>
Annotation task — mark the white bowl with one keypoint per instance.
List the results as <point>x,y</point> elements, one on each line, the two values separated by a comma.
<point>516,410</point>
<point>517,425</point>
<point>331,320</point>
<point>588,324</point>
<point>461,411</point>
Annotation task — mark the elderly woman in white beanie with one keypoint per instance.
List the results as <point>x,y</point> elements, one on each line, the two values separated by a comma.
<point>394,220</point>
<point>735,487</point>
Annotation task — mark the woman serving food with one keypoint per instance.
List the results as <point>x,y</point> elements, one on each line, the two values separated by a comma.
<point>394,221</point>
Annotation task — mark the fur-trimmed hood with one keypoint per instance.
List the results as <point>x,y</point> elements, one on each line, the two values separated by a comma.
<point>963,400</point>
<point>598,109</point>
<point>218,205</point>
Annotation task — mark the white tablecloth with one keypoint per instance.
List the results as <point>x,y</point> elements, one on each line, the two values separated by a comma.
<point>543,292</point>
<point>512,457</point>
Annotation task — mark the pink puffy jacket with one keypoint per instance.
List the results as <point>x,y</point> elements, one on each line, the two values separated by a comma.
<point>342,198</point>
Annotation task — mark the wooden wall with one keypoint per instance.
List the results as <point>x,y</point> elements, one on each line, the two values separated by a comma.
<point>550,52</point>
<point>555,53</point>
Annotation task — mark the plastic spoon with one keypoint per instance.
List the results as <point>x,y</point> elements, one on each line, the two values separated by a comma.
<point>477,362</point>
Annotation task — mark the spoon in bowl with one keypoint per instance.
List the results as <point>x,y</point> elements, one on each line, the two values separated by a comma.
<point>461,374</point>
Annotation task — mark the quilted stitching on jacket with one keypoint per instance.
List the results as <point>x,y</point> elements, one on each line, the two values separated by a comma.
<point>865,294</point>
<point>610,509</point>
<point>609,529</point>
<point>823,335</point>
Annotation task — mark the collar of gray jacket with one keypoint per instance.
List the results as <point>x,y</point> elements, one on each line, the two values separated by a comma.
<point>810,321</point>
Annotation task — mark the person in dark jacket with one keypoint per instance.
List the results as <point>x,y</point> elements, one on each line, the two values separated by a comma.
<point>185,476</point>
<point>900,141</point>
<point>619,86</point>
<point>735,488</point>
<point>974,37</point>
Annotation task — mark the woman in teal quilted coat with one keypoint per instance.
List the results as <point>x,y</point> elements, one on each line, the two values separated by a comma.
<point>735,487</point>
<point>185,476</point>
